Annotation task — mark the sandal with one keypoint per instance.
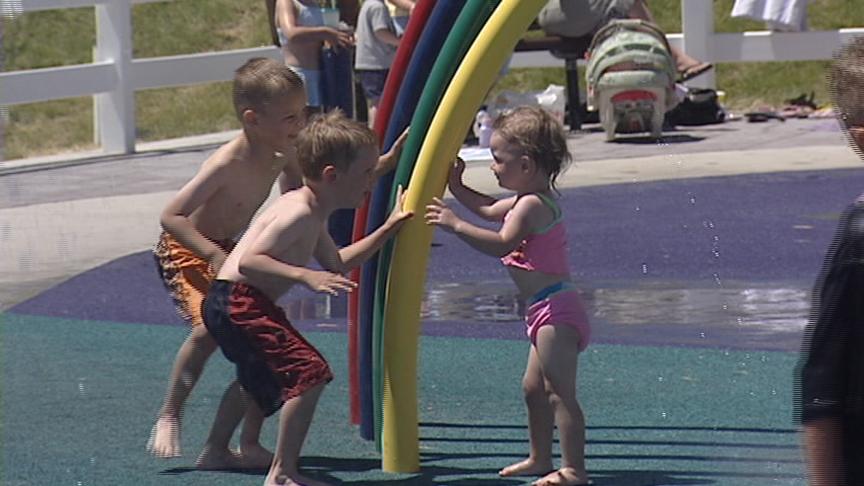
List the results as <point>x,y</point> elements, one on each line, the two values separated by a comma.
<point>693,71</point>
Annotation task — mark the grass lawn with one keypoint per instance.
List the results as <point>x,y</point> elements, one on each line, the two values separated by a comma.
<point>64,37</point>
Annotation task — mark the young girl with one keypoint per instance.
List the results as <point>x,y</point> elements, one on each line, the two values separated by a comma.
<point>529,150</point>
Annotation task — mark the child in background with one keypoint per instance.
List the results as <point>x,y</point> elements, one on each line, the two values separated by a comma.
<point>529,150</point>
<point>277,367</point>
<point>376,47</point>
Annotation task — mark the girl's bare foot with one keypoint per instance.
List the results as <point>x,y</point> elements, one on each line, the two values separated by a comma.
<point>566,476</point>
<point>165,438</point>
<point>528,467</point>
<point>255,456</point>
<point>218,460</point>
<point>292,480</point>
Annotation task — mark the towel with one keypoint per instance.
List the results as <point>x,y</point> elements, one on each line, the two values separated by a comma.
<point>782,15</point>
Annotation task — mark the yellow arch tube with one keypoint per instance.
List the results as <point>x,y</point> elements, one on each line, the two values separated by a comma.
<point>476,74</point>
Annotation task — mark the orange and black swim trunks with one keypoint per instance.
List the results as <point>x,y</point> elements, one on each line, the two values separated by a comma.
<point>186,275</point>
<point>274,362</point>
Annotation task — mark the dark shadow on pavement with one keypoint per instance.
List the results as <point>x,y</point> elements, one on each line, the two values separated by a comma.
<point>664,140</point>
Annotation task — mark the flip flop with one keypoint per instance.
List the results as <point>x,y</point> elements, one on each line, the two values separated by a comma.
<point>694,71</point>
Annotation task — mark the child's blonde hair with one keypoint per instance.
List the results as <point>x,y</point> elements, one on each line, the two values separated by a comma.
<point>331,139</point>
<point>539,135</point>
<point>260,81</point>
<point>846,83</point>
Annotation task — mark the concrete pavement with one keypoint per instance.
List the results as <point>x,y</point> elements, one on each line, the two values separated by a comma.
<point>55,223</point>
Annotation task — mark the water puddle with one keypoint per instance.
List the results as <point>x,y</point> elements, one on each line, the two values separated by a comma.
<point>767,315</point>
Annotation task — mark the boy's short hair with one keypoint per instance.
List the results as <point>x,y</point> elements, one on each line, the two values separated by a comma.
<point>846,83</point>
<point>331,139</point>
<point>261,80</point>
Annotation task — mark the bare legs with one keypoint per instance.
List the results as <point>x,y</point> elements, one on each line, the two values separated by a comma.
<point>188,366</point>
<point>684,63</point>
<point>294,420</point>
<point>550,396</point>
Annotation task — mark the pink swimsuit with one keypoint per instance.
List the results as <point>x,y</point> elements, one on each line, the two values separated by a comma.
<point>546,251</point>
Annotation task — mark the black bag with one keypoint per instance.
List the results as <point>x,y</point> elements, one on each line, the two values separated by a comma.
<point>700,107</point>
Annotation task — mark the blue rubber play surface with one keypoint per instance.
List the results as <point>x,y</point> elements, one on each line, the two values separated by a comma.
<point>698,294</point>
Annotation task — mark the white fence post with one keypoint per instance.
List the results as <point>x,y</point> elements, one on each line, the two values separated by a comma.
<point>115,110</point>
<point>697,25</point>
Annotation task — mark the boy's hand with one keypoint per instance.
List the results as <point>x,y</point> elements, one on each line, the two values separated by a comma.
<point>398,216</point>
<point>327,282</point>
<point>439,214</point>
<point>456,173</point>
<point>388,161</point>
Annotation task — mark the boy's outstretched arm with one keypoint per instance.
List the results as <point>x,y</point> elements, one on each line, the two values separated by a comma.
<point>350,257</point>
<point>283,233</point>
<point>175,217</point>
<point>487,207</point>
<point>490,242</point>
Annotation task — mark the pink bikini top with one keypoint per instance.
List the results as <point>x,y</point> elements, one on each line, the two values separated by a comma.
<point>544,250</point>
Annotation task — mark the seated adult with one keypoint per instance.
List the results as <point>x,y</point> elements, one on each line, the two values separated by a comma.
<point>578,18</point>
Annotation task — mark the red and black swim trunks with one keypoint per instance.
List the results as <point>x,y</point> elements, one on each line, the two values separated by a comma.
<point>274,362</point>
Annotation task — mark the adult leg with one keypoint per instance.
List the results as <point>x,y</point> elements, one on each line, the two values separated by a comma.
<point>558,355</point>
<point>294,420</point>
<point>188,365</point>
<point>217,453</point>
<point>540,423</point>
<point>687,66</point>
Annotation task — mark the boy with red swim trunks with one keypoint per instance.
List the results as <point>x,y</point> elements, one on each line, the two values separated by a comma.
<point>277,367</point>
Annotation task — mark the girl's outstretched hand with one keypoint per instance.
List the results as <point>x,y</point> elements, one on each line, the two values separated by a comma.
<point>456,172</point>
<point>398,216</point>
<point>439,214</point>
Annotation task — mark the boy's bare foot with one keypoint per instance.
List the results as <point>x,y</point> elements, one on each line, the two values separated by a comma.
<point>255,457</point>
<point>566,476</point>
<point>165,438</point>
<point>218,460</point>
<point>528,467</point>
<point>293,480</point>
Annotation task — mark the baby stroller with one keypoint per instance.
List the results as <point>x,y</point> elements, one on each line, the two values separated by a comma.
<point>631,77</point>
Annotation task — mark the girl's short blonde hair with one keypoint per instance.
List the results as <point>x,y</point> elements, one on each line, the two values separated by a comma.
<point>540,136</point>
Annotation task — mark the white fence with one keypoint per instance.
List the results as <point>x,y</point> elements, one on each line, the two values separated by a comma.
<point>114,75</point>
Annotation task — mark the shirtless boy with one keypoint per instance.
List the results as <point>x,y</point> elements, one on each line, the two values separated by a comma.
<point>276,366</point>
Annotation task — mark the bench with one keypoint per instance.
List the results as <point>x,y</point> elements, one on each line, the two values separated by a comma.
<point>571,49</point>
